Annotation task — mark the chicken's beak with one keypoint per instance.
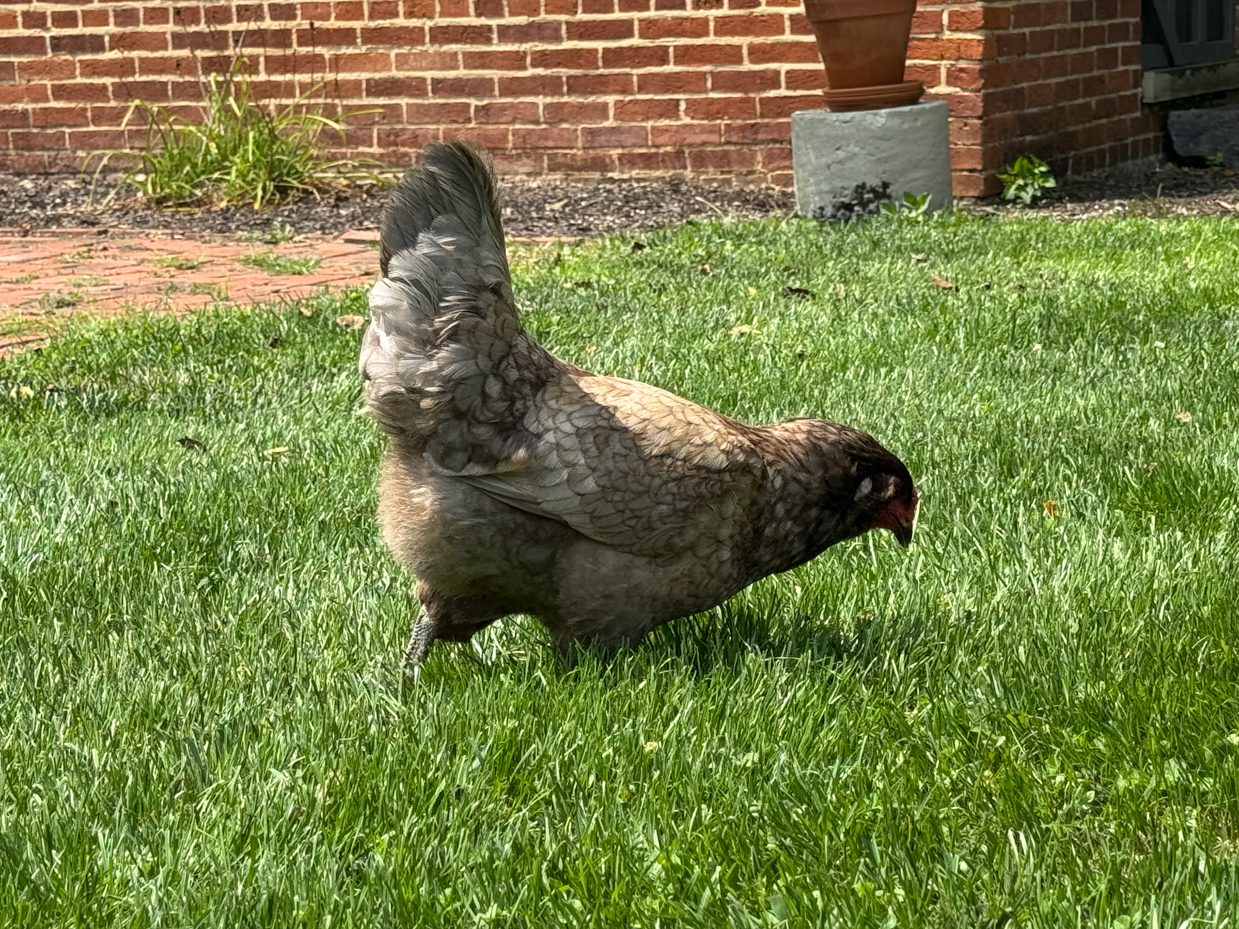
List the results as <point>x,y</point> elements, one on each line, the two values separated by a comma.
<point>903,532</point>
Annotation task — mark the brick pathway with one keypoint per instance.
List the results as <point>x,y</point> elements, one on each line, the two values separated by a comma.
<point>49,275</point>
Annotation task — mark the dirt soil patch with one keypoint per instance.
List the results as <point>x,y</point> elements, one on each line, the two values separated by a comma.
<point>530,209</point>
<point>585,208</point>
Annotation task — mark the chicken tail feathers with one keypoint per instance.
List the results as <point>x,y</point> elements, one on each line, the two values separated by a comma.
<point>445,357</point>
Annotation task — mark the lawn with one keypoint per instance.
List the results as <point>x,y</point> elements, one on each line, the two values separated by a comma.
<point>1030,718</point>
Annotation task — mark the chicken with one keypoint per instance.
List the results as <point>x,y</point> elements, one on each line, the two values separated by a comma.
<point>517,483</point>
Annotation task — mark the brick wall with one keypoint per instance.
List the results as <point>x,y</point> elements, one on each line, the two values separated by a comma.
<point>621,87</point>
<point>625,87</point>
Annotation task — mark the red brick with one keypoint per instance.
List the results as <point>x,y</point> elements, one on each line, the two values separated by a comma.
<point>697,55</point>
<point>105,67</point>
<point>580,162</point>
<point>927,22</point>
<point>46,69</point>
<point>488,9</point>
<point>217,15</point>
<point>57,116</point>
<point>599,30</point>
<point>576,111</point>
<point>401,86</point>
<point>749,25</point>
<point>968,77</point>
<point>775,130</point>
<point>776,158</point>
<point>462,35</point>
<point>636,56</point>
<point>639,109</point>
<point>534,85</point>
<point>946,49</point>
<point>575,59</point>
<point>672,82</point>
<point>761,53</point>
<point>94,19</point>
<point>436,114</point>
<point>655,162</point>
<point>81,92</point>
<point>686,27</point>
<point>379,9</point>
<point>804,79</point>
<point>419,9</point>
<point>686,134</point>
<point>615,136</point>
<point>419,61</point>
<point>798,25</point>
<point>455,9</point>
<point>24,45</point>
<point>771,107</point>
<point>506,112</point>
<point>587,84</point>
<point>491,137</point>
<point>720,108</point>
<point>597,7</point>
<point>401,36</point>
<point>361,63</point>
<point>524,7</point>
<point>494,61</point>
<point>750,81</point>
<point>664,6</point>
<point>156,16</point>
<point>348,11</point>
<point>34,19</point>
<point>535,33</point>
<point>404,138</point>
<point>41,141</point>
<point>722,159</point>
<point>462,87</point>
<point>199,40</point>
<point>76,44</point>
<point>14,119</point>
<point>634,6</point>
<point>546,137</point>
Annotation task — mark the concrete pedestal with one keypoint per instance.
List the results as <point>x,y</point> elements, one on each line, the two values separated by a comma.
<point>842,158</point>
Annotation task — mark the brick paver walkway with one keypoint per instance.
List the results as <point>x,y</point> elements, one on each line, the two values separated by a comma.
<point>46,276</point>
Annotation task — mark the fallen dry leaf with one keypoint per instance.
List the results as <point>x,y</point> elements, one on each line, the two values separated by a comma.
<point>841,291</point>
<point>278,450</point>
<point>740,329</point>
<point>1183,417</point>
<point>1050,508</point>
<point>942,282</point>
<point>920,259</point>
<point>350,321</point>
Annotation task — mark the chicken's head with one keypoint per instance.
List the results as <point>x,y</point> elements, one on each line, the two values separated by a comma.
<point>864,485</point>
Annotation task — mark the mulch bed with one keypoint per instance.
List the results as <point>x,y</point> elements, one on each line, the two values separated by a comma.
<point>530,209</point>
<point>589,208</point>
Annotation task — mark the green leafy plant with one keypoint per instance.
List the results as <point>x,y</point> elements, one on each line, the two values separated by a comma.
<point>241,153</point>
<point>1027,180</point>
<point>1216,160</point>
<point>282,264</point>
<point>177,262</point>
<point>912,207</point>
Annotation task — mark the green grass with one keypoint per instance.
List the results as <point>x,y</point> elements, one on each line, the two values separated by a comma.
<point>282,264</point>
<point>1027,719</point>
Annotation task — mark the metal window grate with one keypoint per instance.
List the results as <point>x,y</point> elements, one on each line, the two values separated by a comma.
<point>1186,32</point>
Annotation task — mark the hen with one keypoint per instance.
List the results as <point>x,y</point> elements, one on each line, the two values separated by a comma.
<point>515,482</point>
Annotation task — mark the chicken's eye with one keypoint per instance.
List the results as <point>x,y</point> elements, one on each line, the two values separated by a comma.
<point>865,487</point>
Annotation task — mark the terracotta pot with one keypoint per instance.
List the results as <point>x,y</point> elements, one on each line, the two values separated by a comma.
<point>864,45</point>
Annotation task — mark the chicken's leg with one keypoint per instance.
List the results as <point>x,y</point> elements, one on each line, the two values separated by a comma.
<point>425,631</point>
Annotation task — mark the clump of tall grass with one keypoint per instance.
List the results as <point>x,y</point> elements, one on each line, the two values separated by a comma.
<point>241,153</point>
